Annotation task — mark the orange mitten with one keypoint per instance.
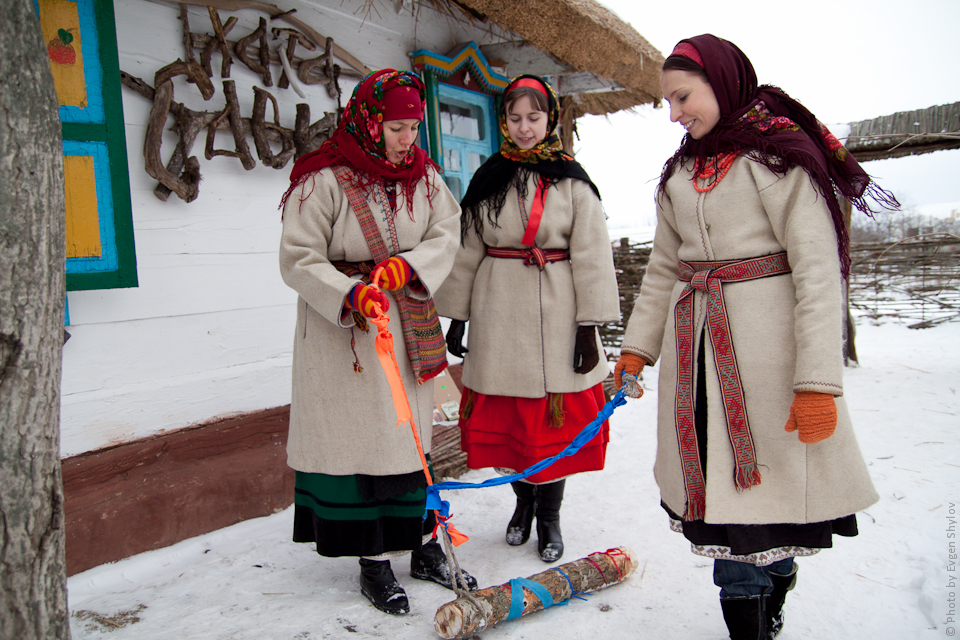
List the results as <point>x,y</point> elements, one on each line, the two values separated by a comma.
<point>628,363</point>
<point>813,415</point>
<point>396,273</point>
<point>362,299</point>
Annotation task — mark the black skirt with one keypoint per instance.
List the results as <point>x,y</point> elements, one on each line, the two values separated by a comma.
<point>746,539</point>
<point>361,515</point>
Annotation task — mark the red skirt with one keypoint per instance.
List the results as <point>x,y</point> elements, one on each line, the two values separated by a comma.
<point>515,433</point>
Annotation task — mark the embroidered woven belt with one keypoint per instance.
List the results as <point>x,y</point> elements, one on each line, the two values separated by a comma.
<point>532,255</point>
<point>354,268</point>
<point>707,277</point>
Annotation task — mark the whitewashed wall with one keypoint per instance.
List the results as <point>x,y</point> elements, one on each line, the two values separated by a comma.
<point>208,333</point>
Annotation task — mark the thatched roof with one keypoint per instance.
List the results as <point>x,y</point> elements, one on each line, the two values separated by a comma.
<point>586,36</point>
<point>906,133</point>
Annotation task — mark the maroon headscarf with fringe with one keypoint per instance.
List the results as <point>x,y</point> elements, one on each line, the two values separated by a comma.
<point>358,140</point>
<point>772,128</point>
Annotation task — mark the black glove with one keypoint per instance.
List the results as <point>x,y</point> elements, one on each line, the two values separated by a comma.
<point>455,338</point>
<point>585,356</point>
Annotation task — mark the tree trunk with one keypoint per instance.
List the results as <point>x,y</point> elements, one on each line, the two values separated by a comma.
<point>33,598</point>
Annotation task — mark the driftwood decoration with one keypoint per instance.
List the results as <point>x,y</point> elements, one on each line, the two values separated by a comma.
<point>181,174</point>
<point>321,70</point>
<point>232,114</point>
<point>478,610</point>
<point>259,128</point>
<point>186,183</point>
<point>221,35</point>
<point>262,64</point>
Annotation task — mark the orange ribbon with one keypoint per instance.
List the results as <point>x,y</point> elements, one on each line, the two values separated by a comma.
<point>388,360</point>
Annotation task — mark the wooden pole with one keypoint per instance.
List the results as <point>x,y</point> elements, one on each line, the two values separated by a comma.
<point>475,612</point>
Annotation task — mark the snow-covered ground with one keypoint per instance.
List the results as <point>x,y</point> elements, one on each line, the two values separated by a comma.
<point>898,579</point>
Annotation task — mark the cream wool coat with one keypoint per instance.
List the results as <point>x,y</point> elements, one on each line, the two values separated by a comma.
<point>343,422</point>
<point>523,321</point>
<point>786,331</point>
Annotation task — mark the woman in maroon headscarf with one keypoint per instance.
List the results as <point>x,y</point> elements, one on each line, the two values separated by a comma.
<point>757,461</point>
<point>369,197</point>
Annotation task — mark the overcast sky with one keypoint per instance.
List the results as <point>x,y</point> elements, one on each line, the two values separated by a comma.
<point>845,60</point>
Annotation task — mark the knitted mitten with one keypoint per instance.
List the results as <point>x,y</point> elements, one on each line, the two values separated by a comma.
<point>813,415</point>
<point>396,273</point>
<point>628,363</point>
<point>362,298</point>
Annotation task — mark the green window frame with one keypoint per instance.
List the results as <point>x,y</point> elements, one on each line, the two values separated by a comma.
<point>95,130</point>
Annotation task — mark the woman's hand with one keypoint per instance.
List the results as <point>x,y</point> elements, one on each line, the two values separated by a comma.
<point>629,363</point>
<point>813,415</point>
<point>362,298</point>
<point>455,338</point>
<point>585,355</point>
<point>396,273</point>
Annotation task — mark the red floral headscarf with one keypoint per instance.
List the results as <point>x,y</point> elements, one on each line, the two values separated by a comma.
<point>358,141</point>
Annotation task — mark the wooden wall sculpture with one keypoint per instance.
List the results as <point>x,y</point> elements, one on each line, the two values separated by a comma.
<point>181,173</point>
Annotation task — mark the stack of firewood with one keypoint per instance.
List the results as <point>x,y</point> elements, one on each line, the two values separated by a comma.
<point>445,455</point>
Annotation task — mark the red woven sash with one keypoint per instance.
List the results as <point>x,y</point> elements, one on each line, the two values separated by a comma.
<point>534,255</point>
<point>708,277</point>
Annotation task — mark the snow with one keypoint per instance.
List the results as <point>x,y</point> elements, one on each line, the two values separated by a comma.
<point>896,580</point>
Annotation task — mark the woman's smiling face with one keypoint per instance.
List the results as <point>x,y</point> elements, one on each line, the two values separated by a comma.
<point>527,126</point>
<point>692,101</point>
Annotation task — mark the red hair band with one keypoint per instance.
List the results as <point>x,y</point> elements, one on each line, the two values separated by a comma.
<point>687,50</point>
<point>531,83</point>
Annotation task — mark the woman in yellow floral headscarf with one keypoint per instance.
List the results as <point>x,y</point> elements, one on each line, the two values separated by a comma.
<point>534,276</point>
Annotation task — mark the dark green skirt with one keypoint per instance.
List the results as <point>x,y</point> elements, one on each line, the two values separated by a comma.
<point>360,515</point>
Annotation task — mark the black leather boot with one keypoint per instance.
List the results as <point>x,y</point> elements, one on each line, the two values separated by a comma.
<point>745,617</point>
<point>518,530</point>
<point>549,540</point>
<point>381,588</point>
<point>429,563</point>
<point>781,585</point>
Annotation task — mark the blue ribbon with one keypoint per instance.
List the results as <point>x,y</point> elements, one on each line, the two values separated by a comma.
<point>573,592</point>
<point>516,596</point>
<point>589,432</point>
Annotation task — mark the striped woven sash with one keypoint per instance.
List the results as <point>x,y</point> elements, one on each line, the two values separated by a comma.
<point>533,255</point>
<point>422,333</point>
<point>707,277</point>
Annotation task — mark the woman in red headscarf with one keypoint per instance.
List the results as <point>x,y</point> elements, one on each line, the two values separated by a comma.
<point>369,197</point>
<point>534,277</point>
<point>741,303</point>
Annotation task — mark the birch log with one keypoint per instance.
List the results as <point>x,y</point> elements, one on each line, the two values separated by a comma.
<point>484,608</point>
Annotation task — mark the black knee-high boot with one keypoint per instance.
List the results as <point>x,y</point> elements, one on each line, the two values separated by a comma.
<point>781,585</point>
<point>518,529</point>
<point>745,617</point>
<point>550,542</point>
<point>381,588</point>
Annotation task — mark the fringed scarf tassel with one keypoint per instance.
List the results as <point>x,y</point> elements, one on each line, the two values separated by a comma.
<point>747,476</point>
<point>469,399</point>
<point>361,323</point>
<point>695,511</point>
<point>555,401</point>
